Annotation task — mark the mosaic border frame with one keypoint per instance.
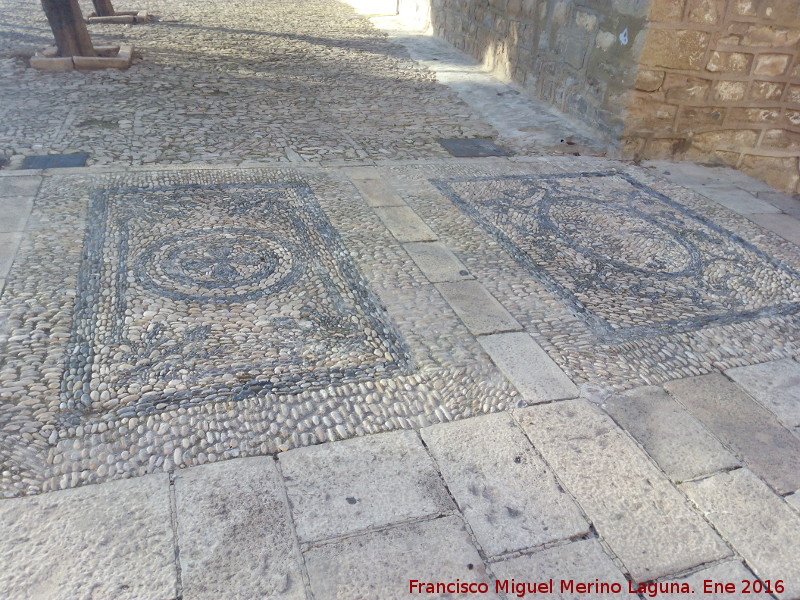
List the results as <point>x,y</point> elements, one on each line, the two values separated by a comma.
<point>599,326</point>
<point>451,376</point>
<point>80,352</point>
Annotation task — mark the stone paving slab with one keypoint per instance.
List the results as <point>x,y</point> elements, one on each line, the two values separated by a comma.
<point>382,564</point>
<point>698,176</point>
<point>738,200</point>
<point>744,181</point>
<point>364,170</point>
<point>785,226</point>
<point>680,445</point>
<point>14,213</point>
<point>727,573</point>
<point>437,262</point>
<point>528,367</point>
<point>506,493</point>
<point>19,186</point>
<point>631,503</point>
<point>788,204</point>
<point>756,522</point>
<point>233,519</point>
<point>361,484</point>
<point>743,425</point>
<point>581,561</point>
<point>688,175</point>
<point>774,384</point>
<point>107,541</point>
<point>477,308</point>
<point>404,224</point>
<point>9,243</point>
<point>377,192</point>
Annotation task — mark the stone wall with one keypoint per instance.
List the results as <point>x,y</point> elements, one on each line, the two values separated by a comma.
<point>713,81</point>
<point>720,82</point>
<point>580,55</point>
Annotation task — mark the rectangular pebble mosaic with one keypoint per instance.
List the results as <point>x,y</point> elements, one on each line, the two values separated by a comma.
<point>631,262</point>
<point>623,279</point>
<point>163,319</point>
<point>217,292</point>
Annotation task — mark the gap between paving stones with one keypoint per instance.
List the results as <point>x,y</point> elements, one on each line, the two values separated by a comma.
<point>173,512</point>
<point>292,524</point>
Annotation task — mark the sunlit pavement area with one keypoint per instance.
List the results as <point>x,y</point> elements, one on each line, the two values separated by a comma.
<point>274,341</point>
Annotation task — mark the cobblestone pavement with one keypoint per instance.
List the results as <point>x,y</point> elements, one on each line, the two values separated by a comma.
<point>229,82</point>
<point>288,377</point>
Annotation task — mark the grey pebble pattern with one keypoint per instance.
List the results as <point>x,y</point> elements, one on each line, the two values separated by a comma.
<point>168,319</point>
<point>227,83</point>
<point>163,269</point>
<point>679,286</point>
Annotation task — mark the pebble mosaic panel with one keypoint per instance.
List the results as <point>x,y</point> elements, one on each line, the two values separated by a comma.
<point>163,268</point>
<point>632,263</point>
<point>164,319</point>
<point>622,278</point>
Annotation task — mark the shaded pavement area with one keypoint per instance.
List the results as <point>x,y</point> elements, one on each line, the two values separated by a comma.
<point>274,341</point>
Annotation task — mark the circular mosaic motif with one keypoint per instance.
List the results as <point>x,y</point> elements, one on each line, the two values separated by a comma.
<point>624,238</point>
<point>228,265</point>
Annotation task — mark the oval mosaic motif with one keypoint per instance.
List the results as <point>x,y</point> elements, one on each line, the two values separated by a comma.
<point>219,265</point>
<point>623,238</point>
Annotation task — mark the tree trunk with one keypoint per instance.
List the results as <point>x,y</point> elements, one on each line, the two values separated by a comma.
<point>69,28</point>
<point>103,8</point>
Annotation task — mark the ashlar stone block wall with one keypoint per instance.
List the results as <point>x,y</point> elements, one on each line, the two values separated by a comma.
<point>719,81</point>
<point>580,55</point>
<point>713,81</point>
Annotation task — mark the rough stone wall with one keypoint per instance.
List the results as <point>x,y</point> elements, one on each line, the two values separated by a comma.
<point>580,55</point>
<point>713,81</point>
<point>720,82</point>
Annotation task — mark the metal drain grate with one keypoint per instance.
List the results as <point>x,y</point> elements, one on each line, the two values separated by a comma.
<point>473,147</point>
<point>55,161</point>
